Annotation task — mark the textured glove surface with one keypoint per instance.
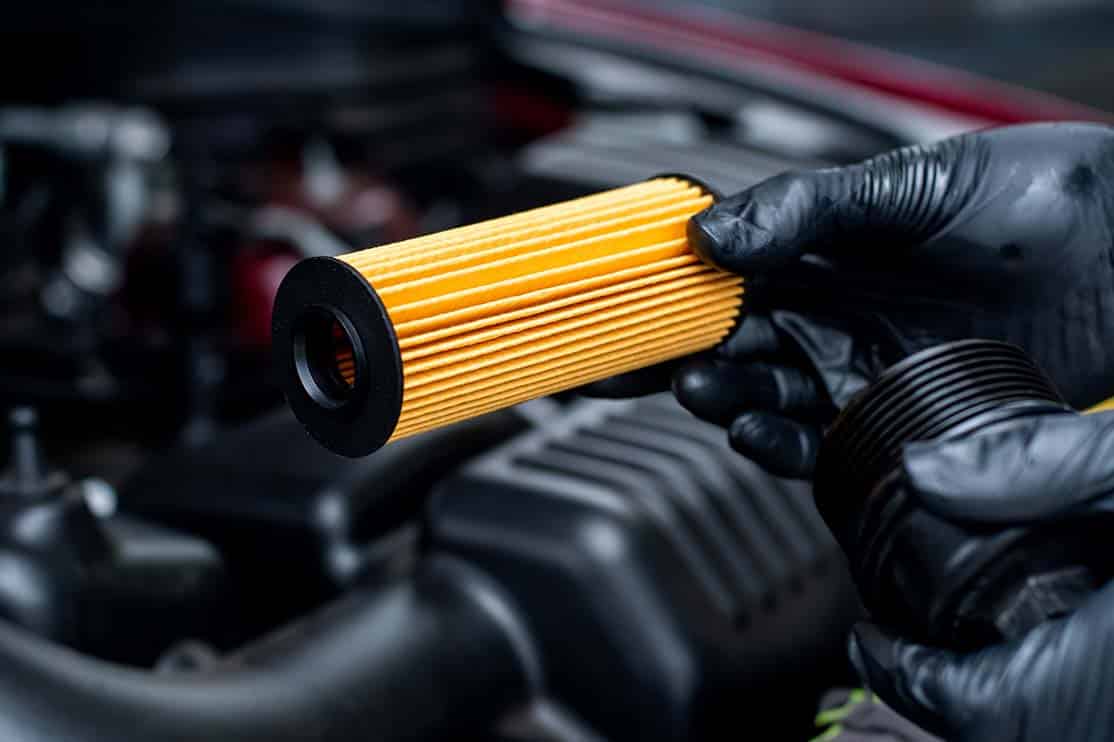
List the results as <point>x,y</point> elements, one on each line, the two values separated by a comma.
<point>1056,682</point>
<point>1003,234</point>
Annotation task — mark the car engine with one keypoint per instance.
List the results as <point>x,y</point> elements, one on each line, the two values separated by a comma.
<point>180,561</point>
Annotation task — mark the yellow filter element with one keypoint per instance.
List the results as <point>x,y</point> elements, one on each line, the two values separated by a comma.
<point>387,342</point>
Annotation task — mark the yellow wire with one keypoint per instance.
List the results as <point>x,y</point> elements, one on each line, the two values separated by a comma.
<point>1102,406</point>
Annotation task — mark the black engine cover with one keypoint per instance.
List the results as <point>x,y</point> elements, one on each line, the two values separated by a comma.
<point>674,587</point>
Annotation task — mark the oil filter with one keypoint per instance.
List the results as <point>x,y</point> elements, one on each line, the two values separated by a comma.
<point>379,344</point>
<point>949,583</point>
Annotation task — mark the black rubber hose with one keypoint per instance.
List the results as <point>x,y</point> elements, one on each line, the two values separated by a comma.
<point>440,655</point>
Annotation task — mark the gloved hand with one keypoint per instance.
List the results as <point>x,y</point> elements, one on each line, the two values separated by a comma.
<point>1056,682</point>
<point>1004,234</point>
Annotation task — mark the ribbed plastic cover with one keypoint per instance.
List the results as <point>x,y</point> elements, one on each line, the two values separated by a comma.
<point>660,571</point>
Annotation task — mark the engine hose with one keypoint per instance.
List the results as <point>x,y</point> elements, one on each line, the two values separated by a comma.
<point>437,655</point>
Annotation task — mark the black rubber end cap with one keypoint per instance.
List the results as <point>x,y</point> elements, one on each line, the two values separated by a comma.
<point>324,307</point>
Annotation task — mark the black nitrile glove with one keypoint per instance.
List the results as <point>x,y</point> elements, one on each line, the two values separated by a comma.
<point>1003,234</point>
<point>1057,681</point>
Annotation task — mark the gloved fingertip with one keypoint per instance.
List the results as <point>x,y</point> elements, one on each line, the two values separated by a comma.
<point>731,235</point>
<point>780,446</point>
<point>1029,470</point>
<point>698,387</point>
<point>754,336</point>
<point>705,236</point>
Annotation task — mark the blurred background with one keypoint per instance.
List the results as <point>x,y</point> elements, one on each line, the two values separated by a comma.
<point>162,165</point>
<point>1058,46</point>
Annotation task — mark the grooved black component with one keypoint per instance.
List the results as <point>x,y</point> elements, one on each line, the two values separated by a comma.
<point>671,584</point>
<point>948,389</point>
<point>947,581</point>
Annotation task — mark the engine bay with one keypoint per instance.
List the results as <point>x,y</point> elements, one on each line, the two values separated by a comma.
<point>179,560</point>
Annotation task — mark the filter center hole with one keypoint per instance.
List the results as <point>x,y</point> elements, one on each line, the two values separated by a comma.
<point>327,356</point>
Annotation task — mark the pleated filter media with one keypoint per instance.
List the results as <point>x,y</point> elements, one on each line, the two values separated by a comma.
<point>387,342</point>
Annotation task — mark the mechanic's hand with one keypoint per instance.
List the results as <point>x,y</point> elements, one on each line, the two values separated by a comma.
<point>1055,683</point>
<point>1003,234</point>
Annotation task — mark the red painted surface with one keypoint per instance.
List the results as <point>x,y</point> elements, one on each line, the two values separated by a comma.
<point>529,111</point>
<point>751,41</point>
<point>256,275</point>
